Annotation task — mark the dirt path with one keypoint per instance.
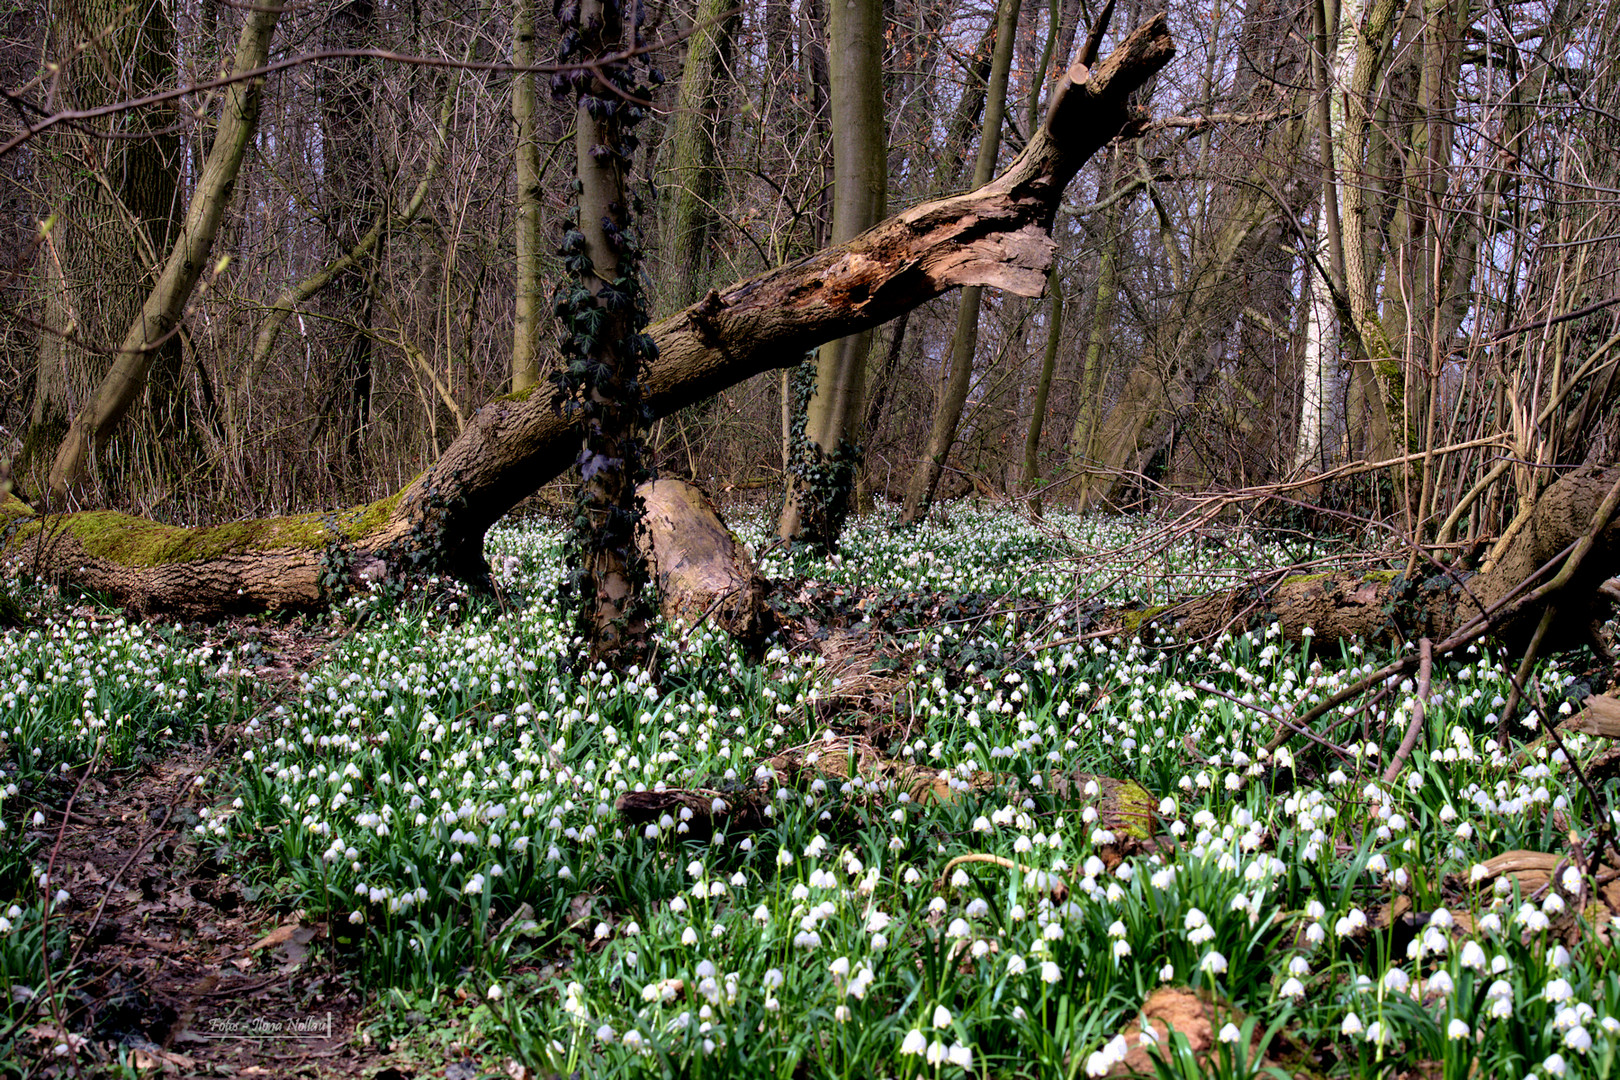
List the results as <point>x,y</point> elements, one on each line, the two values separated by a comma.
<point>177,966</point>
<point>180,965</point>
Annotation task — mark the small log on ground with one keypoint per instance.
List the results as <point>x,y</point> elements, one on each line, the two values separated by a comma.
<point>1599,716</point>
<point>1123,806</point>
<point>701,571</point>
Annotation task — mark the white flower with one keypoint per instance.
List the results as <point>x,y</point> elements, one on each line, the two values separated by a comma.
<point>1213,963</point>
<point>942,1017</point>
<point>1016,965</point>
<point>915,1042</point>
<point>1230,1033</point>
<point>1457,1029</point>
<point>1293,988</point>
<point>1050,972</point>
<point>1554,1065</point>
<point>1351,1025</point>
<point>961,1055</point>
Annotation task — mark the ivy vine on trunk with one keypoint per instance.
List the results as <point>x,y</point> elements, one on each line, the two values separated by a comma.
<point>601,308</point>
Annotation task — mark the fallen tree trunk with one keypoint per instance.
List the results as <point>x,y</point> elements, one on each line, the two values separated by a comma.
<point>997,235</point>
<point>1380,606</point>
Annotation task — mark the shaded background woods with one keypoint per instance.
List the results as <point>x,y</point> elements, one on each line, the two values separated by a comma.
<point>1355,230</point>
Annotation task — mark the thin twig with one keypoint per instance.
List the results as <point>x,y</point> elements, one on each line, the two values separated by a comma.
<point>1404,751</point>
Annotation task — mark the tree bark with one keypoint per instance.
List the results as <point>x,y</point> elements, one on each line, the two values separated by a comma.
<point>160,316</point>
<point>965,342</point>
<point>528,302</point>
<point>689,217</point>
<point>822,485</point>
<point>113,204</point>
<point>997,235</point>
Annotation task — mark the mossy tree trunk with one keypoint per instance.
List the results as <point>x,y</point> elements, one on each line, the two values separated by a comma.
<point>997,235</point>
<point>187,259</point>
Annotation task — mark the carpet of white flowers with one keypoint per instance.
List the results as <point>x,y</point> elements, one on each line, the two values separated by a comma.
<point>82,691</point>
<point>443,791</point>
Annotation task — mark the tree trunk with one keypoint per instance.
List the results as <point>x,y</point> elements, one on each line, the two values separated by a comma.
<point>1029,481</point>
<point>160,316</point>
<point>965,342</point>
<point>603,311</point>
<point>702,572</point>
<point>352,203</point>
<point>689,216</point>
<point>824,466</point>
<point>113,204</point>
<point>527,302</point>
<point>996,235</point>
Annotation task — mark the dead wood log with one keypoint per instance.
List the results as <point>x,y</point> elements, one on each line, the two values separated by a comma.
<point>702,572</point>
<point>1382,606</point>
<point>1599,716</point>
<point>864,774</point>
<point>997,235</point>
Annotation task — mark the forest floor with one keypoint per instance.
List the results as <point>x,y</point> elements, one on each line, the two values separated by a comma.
<point>941,827</point>
<point>180,964</point>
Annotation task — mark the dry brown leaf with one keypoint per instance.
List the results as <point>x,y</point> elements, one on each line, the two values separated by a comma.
<point>278,936</point>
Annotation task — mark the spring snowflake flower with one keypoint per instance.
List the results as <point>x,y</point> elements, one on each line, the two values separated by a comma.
<point>1016,965</point>
<point>1098,1063</point>
<point>1558,990</point>
<point>1351,1025</point>
<point>1293,988</point>
<point>1555,1065</point>
<point>1213,963</point>
<point>915,1043</point>
<point>960,1055</point>
<point>1050,972</point>
<point>1230,1033</point>
<point>1458,1029</point>
<point>941,1017</point>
